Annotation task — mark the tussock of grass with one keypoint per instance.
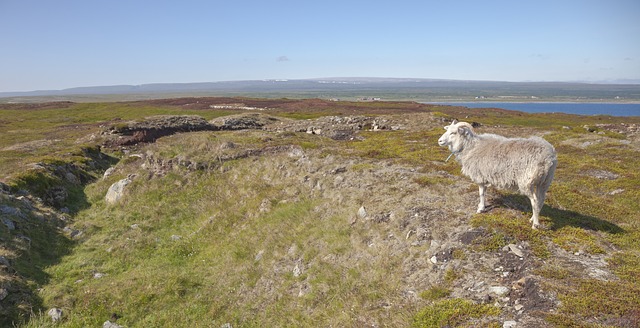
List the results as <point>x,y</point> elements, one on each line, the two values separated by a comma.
<point>617,303</point>
<point>506,229</point>
<point>452,313</point>
<point>435,293</point>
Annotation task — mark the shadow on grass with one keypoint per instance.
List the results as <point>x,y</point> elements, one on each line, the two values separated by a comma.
<point>36,239</point>
<point>561,218</point>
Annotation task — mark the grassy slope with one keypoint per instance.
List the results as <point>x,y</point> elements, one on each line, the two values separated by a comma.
<point>207,248</point>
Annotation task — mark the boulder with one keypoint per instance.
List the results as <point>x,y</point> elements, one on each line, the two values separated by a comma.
<point>116,191</point>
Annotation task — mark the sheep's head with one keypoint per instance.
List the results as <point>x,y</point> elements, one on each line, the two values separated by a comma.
<point>456,135</point>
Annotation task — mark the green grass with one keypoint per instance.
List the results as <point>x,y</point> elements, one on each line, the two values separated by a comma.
<point>453,313</point>
<point>198,248</point>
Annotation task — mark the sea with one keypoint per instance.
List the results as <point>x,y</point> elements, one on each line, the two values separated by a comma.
<point>551,107</point>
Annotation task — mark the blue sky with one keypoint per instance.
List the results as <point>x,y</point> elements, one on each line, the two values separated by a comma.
<point>60,44</point>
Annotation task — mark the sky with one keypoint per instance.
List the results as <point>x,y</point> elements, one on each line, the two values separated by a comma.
<point>52,45</point>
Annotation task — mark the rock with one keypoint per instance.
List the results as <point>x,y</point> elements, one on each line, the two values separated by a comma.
<point>108,172</point>
<point>362,212</point>
<point>433,259</point>
<point>3,293</point>
<point>55,314</point>
<point>259,255</point>
<point>509,324</point>
<point>109,324</point>
<point>10,225</point>
<point>602,174</point>
<point>515,250</point>
<point>518,307</point>
<point>8,210</point>
<point>71,178</point>
<point>297,270</point>
<point>176,237</point>
<point>155,127</point>
<point>116,191</point>
<point>98,275</point>
<point>4,261</point>
<point>617,191</point>
<point>499,290</point>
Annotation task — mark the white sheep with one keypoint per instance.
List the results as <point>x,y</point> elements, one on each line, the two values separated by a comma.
<point>525,165</point>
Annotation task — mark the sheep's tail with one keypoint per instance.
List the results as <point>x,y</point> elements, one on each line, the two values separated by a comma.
<point>545,182</point>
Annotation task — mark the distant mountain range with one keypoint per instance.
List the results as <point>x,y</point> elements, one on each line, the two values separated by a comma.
<point>350,87</point>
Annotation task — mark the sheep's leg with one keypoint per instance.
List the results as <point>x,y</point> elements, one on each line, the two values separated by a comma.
<point>482,188</point>
<point>535,208</point>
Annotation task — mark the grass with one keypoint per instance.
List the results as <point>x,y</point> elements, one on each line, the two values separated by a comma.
<point>453,313</point>
<point>250,242</point>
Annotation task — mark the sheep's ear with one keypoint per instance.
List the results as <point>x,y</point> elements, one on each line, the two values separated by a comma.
<point>446,128</point>
<point>463,130</point>
<point>454,122</point>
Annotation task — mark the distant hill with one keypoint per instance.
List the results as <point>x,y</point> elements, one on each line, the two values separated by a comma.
<point>356,87</point>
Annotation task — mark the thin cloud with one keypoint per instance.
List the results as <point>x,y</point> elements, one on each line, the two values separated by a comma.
<point>282,59</point>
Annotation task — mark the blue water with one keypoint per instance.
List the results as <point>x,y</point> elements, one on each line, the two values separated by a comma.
<point>568,108</point>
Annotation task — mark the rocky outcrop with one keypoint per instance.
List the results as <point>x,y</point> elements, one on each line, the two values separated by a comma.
<point>153,128</point>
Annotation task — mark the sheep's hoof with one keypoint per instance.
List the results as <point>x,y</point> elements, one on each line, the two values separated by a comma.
<point>535,226</point>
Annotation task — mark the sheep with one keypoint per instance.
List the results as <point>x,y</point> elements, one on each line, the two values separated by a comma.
<point>524,165</point>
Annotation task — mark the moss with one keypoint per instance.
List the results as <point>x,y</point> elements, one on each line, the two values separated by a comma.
<point>435,293</point>
<point>453,313</point>
<point>619,304</point>
<point>574,239</point>
<point>505,229</point>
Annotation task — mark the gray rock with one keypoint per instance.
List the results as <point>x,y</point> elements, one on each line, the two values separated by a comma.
<point>499,290</point>
<point>116,191</point>
<point>4,261</point>
<point>509,324</point>
<point>109,324</point>
<point>8,210</point>
<point>515,250</point>
<point>3,293</point>
<point>55,314</point>
<point>108,172</point>
<point>259,255</point>
<point>362,212</point>
<point>10,225</point>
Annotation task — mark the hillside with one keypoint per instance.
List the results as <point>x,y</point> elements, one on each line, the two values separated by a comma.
<point>242,212</point>
<point>425,90</point>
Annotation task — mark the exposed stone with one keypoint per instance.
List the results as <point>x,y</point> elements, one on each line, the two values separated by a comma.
<point>108,172</point>
<point>55,314</point>
<point>499,290</point>
<point>3,293</point>
<point>8,210</point>
<point>515,250</point>
<point>116,191</point>
<point>10,225</point>
<point>297,270</point>
<point>109,324</point>
<point>434,259</point>
<point>362,212</point>
<point>602,174</point>
<point>509,324</point>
